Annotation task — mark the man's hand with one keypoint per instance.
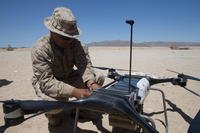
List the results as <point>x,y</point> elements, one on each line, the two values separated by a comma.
<point>94,86</point>
<point>80,93</point>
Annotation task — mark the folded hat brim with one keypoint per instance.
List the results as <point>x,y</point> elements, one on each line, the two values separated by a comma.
<point>48,24</point>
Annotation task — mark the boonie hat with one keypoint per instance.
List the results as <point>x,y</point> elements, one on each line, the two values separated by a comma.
<point>63,23</point>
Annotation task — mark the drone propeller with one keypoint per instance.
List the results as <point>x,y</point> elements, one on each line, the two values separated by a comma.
<point>185,76</point>
<point>172,71</point>
<point>191,91</point>
<point>107,68</point>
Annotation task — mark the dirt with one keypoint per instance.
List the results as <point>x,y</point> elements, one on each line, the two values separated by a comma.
<point>182,105</point>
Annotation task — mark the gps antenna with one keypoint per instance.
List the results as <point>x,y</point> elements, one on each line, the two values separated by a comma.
<point>131,22</point>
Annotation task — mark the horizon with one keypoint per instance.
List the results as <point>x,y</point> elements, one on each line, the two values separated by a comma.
<point>164,43</point>
<point>155,21</point>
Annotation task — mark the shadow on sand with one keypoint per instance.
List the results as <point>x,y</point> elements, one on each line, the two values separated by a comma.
<point>4,82</point>
<point>174,108</point>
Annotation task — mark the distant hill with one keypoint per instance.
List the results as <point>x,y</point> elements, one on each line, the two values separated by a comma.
<point>142,44</point>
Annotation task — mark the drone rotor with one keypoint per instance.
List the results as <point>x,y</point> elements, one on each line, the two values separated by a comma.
<point>184,75</point>
<point>107,68</point>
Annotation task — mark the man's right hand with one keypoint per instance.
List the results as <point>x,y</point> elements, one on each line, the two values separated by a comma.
<point>80,93</point>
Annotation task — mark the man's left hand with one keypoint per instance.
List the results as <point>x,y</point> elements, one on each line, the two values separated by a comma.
<point>94,86</point>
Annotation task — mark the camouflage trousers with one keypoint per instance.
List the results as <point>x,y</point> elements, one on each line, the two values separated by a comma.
<point>64,122</point>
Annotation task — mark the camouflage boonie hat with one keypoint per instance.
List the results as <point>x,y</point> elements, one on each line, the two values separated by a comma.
<point>63,22</point>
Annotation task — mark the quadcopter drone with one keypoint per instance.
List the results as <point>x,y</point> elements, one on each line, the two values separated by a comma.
<point>122,99</point>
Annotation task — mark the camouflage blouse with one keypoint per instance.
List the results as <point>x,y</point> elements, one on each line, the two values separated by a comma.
<point>52,65</point>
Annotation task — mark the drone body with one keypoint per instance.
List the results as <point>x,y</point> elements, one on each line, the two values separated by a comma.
<point>124,105</point>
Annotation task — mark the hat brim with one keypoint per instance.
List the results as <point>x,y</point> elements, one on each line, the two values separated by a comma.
<point>47,23</point>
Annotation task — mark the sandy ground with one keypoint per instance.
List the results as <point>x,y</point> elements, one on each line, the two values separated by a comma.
<point>182,105</point>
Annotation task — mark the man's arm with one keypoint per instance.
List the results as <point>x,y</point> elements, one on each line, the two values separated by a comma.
<point>43,73</point>
<point>83,63</point>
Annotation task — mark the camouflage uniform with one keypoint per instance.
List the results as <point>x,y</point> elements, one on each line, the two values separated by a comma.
<point>58,70</point>
<point>55,75</point>
<point>54,69</point>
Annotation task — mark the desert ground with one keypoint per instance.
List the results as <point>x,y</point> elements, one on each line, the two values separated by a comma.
<point>182,105</point>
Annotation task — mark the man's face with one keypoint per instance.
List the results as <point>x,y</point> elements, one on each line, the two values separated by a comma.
<point>61,41</point>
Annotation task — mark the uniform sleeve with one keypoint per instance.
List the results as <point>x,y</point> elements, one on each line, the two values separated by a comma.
<point>43,75</point>
<point>83,63</point>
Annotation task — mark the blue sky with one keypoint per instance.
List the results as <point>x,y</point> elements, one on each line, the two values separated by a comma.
<point>21,21</point>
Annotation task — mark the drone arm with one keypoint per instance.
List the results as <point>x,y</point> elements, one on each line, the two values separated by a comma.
<point>154,81</point>
<point>15,110</point>
<point>175,81</point>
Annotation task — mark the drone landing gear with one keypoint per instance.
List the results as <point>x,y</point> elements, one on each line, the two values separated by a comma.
<point>83,115</point>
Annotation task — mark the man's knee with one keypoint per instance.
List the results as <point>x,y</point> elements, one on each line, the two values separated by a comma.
<point>54,120</point>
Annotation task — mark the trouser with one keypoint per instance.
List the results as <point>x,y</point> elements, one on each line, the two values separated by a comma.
<point>63,122</point>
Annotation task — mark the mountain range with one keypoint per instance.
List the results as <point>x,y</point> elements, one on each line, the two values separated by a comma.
<point>142,44</point>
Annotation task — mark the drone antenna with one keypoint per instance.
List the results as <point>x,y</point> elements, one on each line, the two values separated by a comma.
<point>130,22</point>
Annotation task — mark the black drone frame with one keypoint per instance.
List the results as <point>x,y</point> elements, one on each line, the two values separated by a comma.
<point>108,100</point>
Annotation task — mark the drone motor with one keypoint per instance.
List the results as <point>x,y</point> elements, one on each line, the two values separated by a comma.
<point>13,114</point>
